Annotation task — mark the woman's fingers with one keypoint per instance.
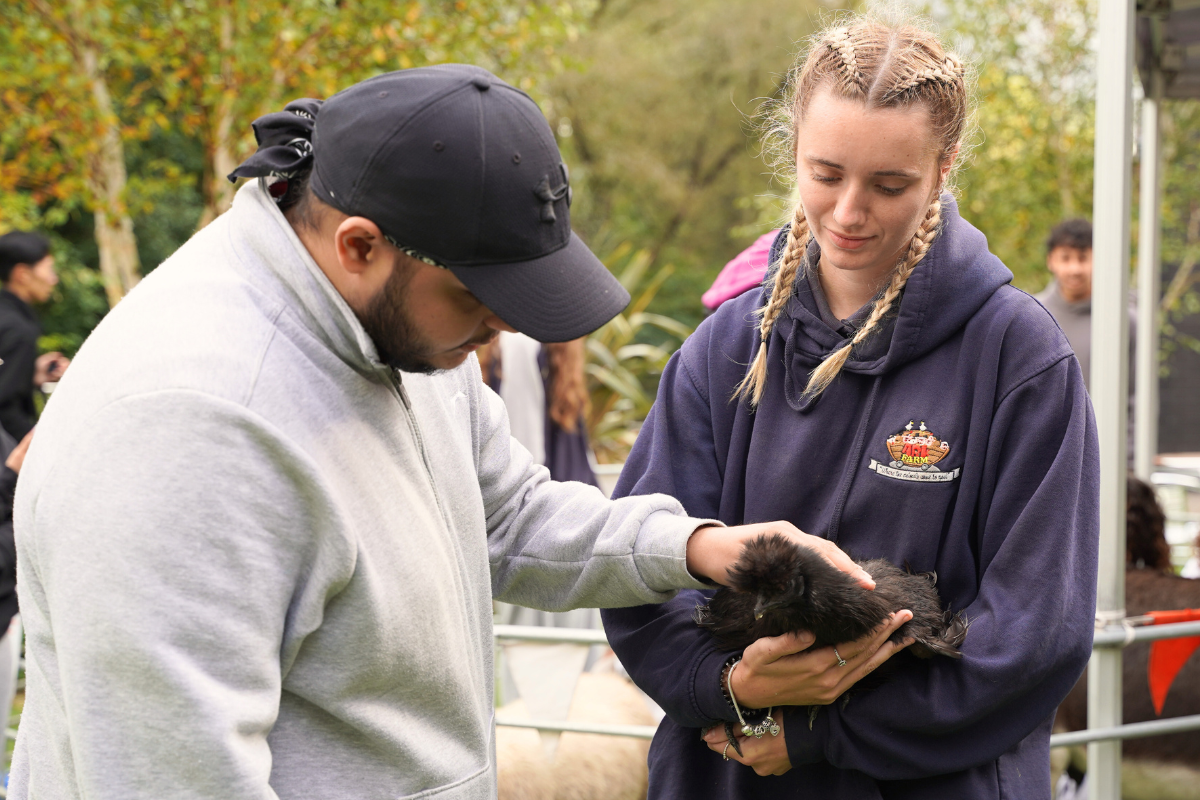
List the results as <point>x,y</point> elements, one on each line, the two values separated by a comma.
<point>772,648</point>
<point>766,755</point>
<point>867,645</point>
<point>877,651</point>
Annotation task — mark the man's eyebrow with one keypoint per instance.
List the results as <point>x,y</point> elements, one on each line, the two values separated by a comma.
<point>883,173</point>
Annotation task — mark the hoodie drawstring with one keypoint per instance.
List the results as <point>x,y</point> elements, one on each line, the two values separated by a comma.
<point>860,441</point>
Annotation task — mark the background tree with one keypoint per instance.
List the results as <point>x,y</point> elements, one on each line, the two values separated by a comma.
<point>657,124</point>
<point>63,136</point>
<point>1181,225</point>
<point>227,62</point>
<point>1031,164</point>
<point>170,88</point>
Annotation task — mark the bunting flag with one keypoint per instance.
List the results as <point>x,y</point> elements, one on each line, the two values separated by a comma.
<point>1167,656</point>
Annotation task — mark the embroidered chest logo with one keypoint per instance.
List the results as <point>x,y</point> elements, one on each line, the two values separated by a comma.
<point>915,452</point>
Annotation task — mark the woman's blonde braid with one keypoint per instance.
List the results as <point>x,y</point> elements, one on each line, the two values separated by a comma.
<point>785,279</point>
<point>840,41</point>
<point>828,369</point>
<point>947,72</point>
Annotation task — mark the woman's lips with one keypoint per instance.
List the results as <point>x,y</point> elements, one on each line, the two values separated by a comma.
<point>848,242</point>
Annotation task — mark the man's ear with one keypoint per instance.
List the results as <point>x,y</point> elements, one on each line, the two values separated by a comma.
<point>19,275</point>
<point>361,248</point>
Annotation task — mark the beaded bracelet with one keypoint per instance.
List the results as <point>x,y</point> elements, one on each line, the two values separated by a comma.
<point>768,723</point>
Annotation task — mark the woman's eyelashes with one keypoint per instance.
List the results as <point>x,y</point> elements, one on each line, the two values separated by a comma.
<point>890,191</point>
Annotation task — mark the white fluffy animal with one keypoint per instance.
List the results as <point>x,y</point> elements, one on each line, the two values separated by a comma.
<point>585,766</point>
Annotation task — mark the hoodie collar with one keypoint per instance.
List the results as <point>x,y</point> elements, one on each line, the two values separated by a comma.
<point>274,259</point>
<point>956,277</point>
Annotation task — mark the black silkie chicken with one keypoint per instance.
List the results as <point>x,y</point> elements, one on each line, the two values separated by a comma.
<point>779,586</point>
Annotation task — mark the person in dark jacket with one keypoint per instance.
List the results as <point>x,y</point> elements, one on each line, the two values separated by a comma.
<point>903,400</point>
<point>27,272</point>
<point>13,453</point>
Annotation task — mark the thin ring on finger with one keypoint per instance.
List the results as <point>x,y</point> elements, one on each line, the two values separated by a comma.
<point>725,752</point>
<point>841,662</point>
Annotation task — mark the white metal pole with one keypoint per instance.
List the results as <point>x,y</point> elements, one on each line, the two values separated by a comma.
<point>1110,367</point>
<point>1149,279</point>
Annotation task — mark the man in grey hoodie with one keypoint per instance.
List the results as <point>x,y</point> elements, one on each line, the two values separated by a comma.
<point>261,526</point>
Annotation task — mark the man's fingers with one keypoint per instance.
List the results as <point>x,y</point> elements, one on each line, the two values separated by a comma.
<point>834,555</point>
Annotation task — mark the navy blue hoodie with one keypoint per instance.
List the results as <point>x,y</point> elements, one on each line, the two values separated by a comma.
<point>999,497</point>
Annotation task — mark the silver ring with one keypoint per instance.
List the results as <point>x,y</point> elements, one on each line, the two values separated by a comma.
<point>725,752</point>
<point>838,656</point>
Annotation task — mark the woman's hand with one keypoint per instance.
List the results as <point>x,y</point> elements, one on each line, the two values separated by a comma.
<point>766,756</point>
<point>774,672</point>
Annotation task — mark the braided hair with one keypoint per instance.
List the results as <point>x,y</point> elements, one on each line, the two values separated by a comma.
<point>881,66</point>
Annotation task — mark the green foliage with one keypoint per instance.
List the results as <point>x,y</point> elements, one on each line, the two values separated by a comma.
<point>623,365</point>
<point>657,122</point>
<point>1031,167</point>
<point>186,78</point>
<point>1181,222</point>
<point>76,308</point>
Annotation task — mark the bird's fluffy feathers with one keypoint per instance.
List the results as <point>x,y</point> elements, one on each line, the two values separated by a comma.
<point>779,586</point>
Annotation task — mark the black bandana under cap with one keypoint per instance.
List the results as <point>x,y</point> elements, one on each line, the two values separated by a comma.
<point>284,142</point>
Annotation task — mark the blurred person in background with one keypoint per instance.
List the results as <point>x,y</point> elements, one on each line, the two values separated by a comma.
<point>544,389</point>
<point>27,272</point>
<point>1068,297</point>
<point>744,271</point>
<point>1191,568</point>
<point>13,455</point>
<point>1145,529</point>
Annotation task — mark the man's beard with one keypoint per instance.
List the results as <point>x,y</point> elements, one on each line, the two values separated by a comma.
<point>386,320</point>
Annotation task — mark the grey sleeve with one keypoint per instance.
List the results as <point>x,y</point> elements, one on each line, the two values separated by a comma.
<point>166,553</point>
<point>557,546</point>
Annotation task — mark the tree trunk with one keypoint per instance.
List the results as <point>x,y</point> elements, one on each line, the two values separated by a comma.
<point>105,174</point>
<point>218,194</point>
<point>114,226</point>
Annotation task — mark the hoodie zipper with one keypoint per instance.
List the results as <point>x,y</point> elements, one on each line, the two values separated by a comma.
<point>835,521</point>
<point>398,385</point>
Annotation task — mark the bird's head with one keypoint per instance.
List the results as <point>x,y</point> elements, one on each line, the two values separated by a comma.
<point>769,601</point>
<point>769,567</point>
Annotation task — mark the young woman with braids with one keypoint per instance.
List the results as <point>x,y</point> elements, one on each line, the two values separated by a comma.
<point>888,389</point>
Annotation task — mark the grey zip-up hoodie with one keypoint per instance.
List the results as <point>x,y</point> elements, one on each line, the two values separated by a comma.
<point>255,563</point>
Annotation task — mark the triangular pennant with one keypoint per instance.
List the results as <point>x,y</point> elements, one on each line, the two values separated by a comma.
<point>1167,656</point>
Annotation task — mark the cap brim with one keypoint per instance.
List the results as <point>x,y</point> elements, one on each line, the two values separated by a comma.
<point>555,298</point>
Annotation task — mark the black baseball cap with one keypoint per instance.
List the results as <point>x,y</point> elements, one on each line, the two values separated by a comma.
<point>460,169</point>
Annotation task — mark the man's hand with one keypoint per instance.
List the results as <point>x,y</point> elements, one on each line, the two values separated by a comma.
<point>49,367</point>
<point>712,550</point>
<point>17,457</point>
